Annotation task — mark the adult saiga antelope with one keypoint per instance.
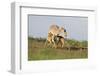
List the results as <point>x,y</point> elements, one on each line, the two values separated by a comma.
<point>57,35</point>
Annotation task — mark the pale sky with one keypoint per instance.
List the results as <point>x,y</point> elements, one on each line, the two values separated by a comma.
<point>76,27</point>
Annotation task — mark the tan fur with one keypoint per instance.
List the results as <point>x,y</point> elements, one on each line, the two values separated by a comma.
<point>62,42</point>
<point>49,39</point>
<point>55,30</point>
<point>50,42</point>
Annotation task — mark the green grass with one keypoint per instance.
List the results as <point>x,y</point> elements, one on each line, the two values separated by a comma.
<point>37,51</point>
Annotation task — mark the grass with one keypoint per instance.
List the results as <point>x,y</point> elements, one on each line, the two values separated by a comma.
<point>37,51</point>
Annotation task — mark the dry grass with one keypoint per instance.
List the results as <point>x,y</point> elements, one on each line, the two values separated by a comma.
<point>37,51</point>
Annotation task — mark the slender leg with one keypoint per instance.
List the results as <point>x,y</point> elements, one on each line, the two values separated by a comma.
<point>54,44</point>
<point>62,42</point>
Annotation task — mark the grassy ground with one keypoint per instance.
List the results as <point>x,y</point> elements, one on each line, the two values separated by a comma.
<point>37,51</point>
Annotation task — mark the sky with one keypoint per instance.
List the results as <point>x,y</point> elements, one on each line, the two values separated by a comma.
<point>76,27</point>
